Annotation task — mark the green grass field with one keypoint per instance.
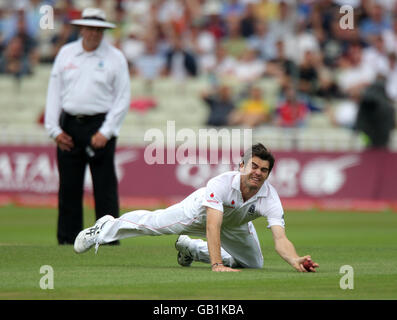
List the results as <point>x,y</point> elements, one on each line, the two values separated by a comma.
<point>145,268</point>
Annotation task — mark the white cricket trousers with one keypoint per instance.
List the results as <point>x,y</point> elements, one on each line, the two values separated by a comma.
<point>240,244</point>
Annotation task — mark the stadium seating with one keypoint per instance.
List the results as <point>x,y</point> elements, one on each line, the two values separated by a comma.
<point>23,103</point>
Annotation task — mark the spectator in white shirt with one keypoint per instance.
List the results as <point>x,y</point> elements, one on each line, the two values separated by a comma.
<point>284,27</point>
<point>180,62</point>
<point>263,41</point>
<point>88,97</point>
<point>133,45</point>
<point>354,74</point>
<point>375,56</point>
<point>249,67</point>
<point>391,80</point>
<point>390,38</point>
<point>151,64</point>
<point>202,42</point>
<point>222,64</point>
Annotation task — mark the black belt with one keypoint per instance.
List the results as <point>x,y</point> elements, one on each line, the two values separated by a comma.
<point>85,118</point>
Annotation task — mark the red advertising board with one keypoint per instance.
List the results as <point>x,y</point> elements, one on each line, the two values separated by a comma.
<point>298,176</point>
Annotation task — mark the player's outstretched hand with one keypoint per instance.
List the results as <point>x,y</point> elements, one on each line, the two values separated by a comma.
<point>305,264</point>
<point>222,268</point>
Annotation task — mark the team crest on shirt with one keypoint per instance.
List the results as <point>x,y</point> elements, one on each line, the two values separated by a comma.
<point>232,206</point>
<point>212,200</point>
<point>100,66</point>
<point>251,209</point>
<point>70,66</point>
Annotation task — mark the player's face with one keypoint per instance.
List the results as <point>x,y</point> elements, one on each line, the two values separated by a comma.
<point>92,37</point>
<point>255,172</point>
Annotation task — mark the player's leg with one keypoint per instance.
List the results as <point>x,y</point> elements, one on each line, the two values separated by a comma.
<point>243,245</point>
<point>171,220</point>
<point>240,248</point>
<point>190,250</point>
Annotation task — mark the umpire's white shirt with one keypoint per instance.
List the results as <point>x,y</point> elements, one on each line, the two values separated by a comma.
<point>88,83</point>
<point>223,193</point>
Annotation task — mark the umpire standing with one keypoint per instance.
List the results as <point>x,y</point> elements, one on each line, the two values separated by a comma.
<point>87,100</point>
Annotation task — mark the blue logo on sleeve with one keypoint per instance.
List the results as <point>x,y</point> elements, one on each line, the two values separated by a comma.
<point>251,209</point>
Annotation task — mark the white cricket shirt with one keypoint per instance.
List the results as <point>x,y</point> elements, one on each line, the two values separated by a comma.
<point>223,193</point>
<point>88,83</point>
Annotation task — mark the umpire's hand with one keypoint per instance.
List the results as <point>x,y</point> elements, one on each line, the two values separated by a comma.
<point>64,141</point>
<point>98,140</point>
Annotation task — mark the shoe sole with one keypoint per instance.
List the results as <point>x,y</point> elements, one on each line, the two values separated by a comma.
<point>183,265</point>
<point>179,253</point>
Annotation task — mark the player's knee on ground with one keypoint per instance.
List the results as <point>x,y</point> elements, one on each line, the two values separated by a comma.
<point>254,264</point>
<point>258,264</point>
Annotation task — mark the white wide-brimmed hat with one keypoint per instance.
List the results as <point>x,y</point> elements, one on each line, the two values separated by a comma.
<point>93,17</point>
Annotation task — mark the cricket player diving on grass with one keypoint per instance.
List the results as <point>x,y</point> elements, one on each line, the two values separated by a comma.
<point>222,212</point>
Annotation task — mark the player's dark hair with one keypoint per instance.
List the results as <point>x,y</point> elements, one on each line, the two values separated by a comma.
<point>260,151</point>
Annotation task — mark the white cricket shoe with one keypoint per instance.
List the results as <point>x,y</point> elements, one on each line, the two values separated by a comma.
<point>184,257</point>
<point>87,238</point>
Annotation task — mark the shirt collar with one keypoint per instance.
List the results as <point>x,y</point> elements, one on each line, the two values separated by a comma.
<point>100,51</point>
<point>236,182</point>
<point>263,191</point>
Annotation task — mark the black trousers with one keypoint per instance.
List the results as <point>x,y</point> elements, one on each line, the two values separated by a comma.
<point>72,165</point>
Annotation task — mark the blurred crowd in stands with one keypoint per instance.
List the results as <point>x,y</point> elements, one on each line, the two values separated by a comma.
<point>298,43</point>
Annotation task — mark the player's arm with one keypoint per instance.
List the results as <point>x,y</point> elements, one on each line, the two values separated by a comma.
<point>287,251</point>
<point>214,223</point>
